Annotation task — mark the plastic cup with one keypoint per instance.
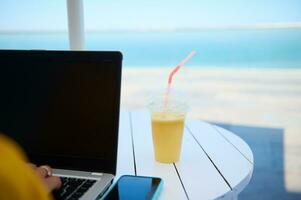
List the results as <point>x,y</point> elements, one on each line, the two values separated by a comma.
<point>167,121</point>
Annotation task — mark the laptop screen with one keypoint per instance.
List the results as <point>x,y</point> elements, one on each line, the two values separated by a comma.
<point>62,107</point>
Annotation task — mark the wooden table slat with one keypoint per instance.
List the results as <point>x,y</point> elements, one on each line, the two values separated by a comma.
<point>242,147</point>
<point>230,162</point>
<point>237,142</point>
<point>125,161</point>
<point>201,179</point>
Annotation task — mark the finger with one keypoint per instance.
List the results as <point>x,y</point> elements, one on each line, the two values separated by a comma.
<point>43,171</point>
<point>53,182</point>
<point>48,169</point>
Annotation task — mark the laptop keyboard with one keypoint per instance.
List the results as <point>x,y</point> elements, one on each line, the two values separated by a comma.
<point>72,188</point>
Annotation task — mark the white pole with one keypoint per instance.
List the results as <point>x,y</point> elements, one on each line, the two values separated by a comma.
<point>76,24</point>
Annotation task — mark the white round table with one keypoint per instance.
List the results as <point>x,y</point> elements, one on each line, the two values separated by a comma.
<point>214,163</point>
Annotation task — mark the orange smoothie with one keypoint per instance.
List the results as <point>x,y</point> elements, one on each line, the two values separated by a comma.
<point>167,131</point>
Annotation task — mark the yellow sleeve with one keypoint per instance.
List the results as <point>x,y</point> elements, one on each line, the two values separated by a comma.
<point>17,179</point>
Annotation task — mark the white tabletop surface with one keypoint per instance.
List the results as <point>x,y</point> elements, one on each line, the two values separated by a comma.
<point>214,163</point>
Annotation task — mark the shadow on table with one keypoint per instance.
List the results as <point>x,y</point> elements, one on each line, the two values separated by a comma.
<point>268,176</point>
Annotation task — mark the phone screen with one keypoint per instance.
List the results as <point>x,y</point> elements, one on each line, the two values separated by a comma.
<point>134,187</point>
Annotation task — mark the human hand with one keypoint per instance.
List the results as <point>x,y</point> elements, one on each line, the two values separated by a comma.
<point>45,173</point>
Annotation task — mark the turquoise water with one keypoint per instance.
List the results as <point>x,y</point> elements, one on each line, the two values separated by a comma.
<point>277,48</point>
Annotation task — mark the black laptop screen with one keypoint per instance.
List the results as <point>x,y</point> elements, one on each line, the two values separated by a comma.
<point>63,110</point>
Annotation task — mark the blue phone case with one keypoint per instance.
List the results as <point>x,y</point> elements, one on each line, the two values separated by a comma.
<point>155,196</point>
<point>158,191</point>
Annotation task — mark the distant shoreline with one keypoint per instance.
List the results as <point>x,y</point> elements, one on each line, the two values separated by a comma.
<point>217,67</point>
<point>268,26</point>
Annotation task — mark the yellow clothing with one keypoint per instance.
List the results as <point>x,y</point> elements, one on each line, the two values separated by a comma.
<point>17,179</point>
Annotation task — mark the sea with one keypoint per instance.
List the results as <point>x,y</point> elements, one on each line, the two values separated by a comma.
<point>240,48</point>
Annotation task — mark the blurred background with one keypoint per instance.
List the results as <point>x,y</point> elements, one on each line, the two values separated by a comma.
<point>246,75</point>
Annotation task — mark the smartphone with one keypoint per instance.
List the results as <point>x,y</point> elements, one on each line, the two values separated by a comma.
<point>135,188</point>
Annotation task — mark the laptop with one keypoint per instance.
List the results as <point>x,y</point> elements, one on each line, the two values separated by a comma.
<point>62,107</point>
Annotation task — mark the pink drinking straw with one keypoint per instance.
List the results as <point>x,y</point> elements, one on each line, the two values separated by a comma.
<point>173,72</point>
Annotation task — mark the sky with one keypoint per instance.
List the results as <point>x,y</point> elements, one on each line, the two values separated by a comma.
<point>51,15</point>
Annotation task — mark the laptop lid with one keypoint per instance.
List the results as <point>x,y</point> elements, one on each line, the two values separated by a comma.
<point>62,107</point>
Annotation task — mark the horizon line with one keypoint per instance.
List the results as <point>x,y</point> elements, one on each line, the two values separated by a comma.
<point>291,25</point>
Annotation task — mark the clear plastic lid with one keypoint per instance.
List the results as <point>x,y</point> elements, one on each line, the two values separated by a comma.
<point>173,102</point>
